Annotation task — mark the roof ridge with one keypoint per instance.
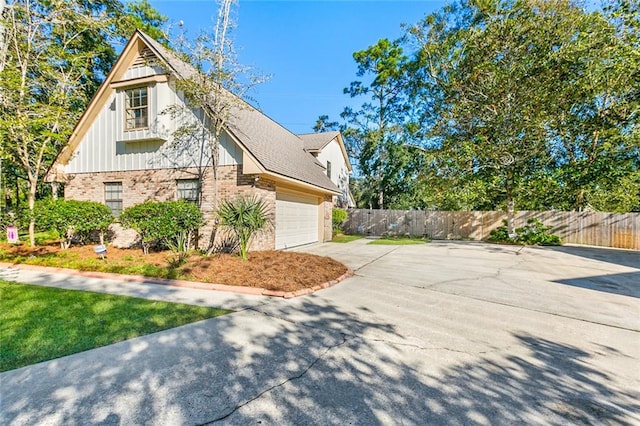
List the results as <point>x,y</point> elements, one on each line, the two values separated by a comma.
<point>268,141</point>
<point>160,47</point>
<point>319,133</point>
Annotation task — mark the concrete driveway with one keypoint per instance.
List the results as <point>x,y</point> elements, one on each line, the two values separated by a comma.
<point>441,333</point>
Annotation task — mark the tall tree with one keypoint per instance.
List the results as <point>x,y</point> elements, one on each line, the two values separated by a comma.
<point>506,89</point>
<point>324,125</point>
<point>214,89</point>
<point>595,125</point>
<point>376,129</point>
<point>53,55</point>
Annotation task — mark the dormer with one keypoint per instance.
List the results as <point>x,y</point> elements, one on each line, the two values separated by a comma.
<point>137,98</point>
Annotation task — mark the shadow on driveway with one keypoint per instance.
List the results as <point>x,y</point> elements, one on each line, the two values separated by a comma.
<point>249,367</point>
<point>626,283</point>
<point>630,258</point>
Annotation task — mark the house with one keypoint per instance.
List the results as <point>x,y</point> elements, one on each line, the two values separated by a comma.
<point>329,150</point>
<point>125,150</point>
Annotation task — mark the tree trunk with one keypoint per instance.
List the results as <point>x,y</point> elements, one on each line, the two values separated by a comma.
<point>31,199</point>
<point>511,207</point>
<point>511,212</point>
<point>54,190</point>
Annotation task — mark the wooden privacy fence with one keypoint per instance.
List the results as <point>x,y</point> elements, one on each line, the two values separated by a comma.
<point>621,230</point>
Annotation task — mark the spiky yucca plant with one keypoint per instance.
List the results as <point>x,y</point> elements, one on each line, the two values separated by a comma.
<point>245,216</point>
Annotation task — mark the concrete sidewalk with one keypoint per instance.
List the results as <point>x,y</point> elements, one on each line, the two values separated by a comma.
<point>70,281</point>
<point>440,333</point>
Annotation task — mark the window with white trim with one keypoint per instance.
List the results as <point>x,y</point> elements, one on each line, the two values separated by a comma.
<point>113,197</point>
<point>188,189</point>
<point>329,169</point>
<point>136,108</point>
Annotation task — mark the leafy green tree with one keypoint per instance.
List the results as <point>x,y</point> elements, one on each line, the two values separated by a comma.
<point>525,103</point>
<point>324,125</point>
<point>376,131</point>
<point>54,54</point>
<point>485,63</point>
<point>594,127</point>
<point>245,216</point>
<point>214,88</point>
<point>40,84</point>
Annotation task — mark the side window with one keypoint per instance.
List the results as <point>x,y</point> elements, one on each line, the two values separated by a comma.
<point>136,108</point>
<point>188,189</point>
<point>113,197</point>
<point>329,169</point>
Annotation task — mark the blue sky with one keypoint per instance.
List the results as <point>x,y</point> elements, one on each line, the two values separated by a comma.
<point>306,47</point>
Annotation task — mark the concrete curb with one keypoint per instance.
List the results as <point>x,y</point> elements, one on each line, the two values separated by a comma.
<point>255,291</point>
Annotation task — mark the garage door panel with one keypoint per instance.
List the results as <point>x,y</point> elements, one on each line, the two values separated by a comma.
<point>296,219</point>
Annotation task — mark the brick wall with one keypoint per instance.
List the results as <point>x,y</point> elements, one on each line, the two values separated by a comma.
<point>142,185</point>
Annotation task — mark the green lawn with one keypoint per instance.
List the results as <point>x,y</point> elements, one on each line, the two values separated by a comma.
<point>398,241</point>
<point>42,323</point>
<point>345,238</point>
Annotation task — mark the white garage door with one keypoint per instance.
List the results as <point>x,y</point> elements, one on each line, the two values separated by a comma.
<point>296,219</point>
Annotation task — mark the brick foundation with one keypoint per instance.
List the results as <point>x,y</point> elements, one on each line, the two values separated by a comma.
<point>139,186</point>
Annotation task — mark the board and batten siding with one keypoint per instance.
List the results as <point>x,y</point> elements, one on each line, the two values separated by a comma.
<point>142,71</point>
<point>107,146</point>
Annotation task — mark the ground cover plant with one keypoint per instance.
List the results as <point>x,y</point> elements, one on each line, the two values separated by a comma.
<point>42,323</point>
<point>533,233</point>
<point>398,241</point>
<point>271,270</point>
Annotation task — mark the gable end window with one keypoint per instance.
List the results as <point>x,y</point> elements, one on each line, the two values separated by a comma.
<point>188,189</point>
<point>113,197</point>
<point>136,108</point>
<point>329,169</point>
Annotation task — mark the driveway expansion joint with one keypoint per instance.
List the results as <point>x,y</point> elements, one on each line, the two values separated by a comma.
<point>376,259</point>
<point>300,375</point>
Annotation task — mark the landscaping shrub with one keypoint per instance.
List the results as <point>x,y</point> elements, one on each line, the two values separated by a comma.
<point>533,233</point>
<point>245,217</point>
<point>18,217</point>
<point>338,216</point>
<point>171,224</point>
<point>72,219</point>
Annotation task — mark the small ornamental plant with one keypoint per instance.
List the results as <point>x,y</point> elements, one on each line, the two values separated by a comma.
<point>533,233</point>
<point>338,217</point>
<point>244,216</point>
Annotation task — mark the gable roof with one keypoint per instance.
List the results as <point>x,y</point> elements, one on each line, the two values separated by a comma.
<point>277,151</point>
<point>274,147</point>
<point>315,142</point>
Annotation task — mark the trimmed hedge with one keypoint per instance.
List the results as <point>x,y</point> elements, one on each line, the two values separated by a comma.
<point>171,224</point>
<point>72,219</point>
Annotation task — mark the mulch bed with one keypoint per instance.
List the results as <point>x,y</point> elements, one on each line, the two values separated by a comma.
<point>271,270</point>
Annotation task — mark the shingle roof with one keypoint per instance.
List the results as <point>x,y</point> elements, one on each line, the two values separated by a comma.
<point>273,146</point>
<point>317,141</point>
